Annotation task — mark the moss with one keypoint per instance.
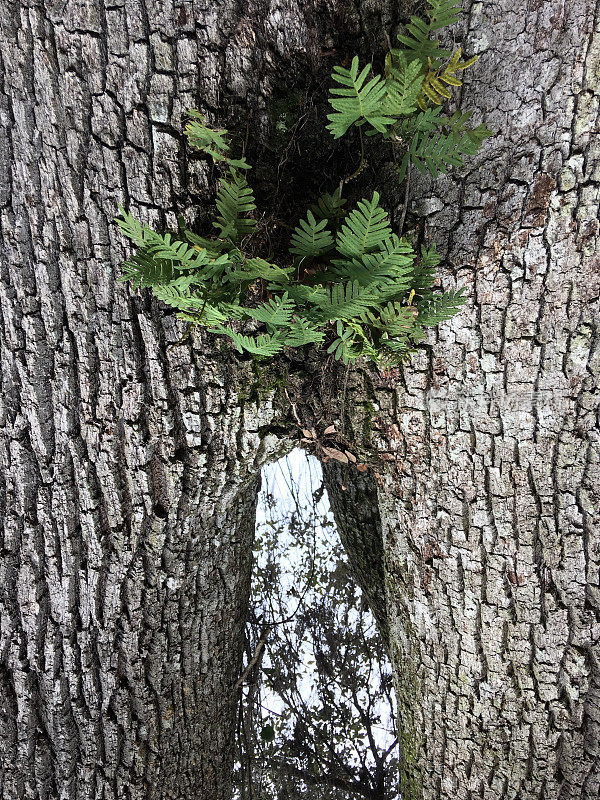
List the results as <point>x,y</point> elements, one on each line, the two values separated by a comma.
<point>266,378</point>
<point>411,786</point>
<point>368,419</point>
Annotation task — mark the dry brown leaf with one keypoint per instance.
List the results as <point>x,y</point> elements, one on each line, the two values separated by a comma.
<point>329,430</point>
<point>351,456</point>
<point>361,467</point>
<point>307,434</point>
<point>337,455</point>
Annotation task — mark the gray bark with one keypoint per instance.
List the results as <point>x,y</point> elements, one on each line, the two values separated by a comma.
<point>128,464</point>
<point>491,510</point>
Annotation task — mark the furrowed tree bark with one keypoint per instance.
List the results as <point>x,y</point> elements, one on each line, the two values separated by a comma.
<point>129,460</point>
<point>491,515</point>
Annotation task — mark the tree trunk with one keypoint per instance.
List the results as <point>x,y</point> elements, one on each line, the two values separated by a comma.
<point>129,464</point>
<point>491,516</point>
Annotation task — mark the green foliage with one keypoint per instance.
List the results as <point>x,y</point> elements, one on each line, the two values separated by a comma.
<point>311,238</point>
<point>404,103</point>
<point>235,203</point>
<point>212,141</point>
<point>349,284</point>
<point>357,101</point>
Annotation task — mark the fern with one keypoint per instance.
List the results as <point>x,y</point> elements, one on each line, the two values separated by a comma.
<point>403,85</point>
<point>439,308</point>
<point>253,269</point>
<point>365,229</point>
<point>275,313</point>
<point>371,297</point>
<point>302,332</point>
<point>265,345</point>
<point>213,141</point>
<point>234,202</point>
<point>311,238</point>
<point>418,75</point>
<point>418,45</point>
<point>358,101</point>
<point>329,207</point>
<point>346,300</point>
<point>432,88</point>
<point>438,151</point>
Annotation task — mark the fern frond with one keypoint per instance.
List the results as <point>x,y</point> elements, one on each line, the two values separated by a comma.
<point>301,332</point>
<point>178,296</point>
<point>358,101</point>
<point>440,307</point>
<point>212,246</point>
<point>275,313</point>
<point>443,13</point>
<point>253,269</point>
<point>212,141</point>
<point>133,228</point>
<point>365,229</point>
<point>344,348</point>
<point>416,41</point>
<point>311,239</point>
<point>308,296</point>
<point>329,206</point>
<point>142,270</point>
<point>433,89</point>
<point>265,345</point>
<point>391,265</point>
<point>403,84</point>
<point>347,300</point>
<point>234,202</point>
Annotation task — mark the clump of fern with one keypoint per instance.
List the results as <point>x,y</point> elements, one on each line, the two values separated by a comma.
<point>404,104</point>
<point>350,282</point>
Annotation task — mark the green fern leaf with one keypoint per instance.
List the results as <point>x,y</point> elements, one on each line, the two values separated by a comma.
<point>346,300</point>
<point>275,313</point>
<point>440,307</point>
<point>311,239</point>
<point>365,229</point>
<point>212,141</point>
<point>265,345</point>
<point>253,269</point>
<point>132,228</point>
<point>403,84</point>
<point>144,270</point>
<point>301,332</point>
<point>416,41</point>
<point>234,202</point>
<point>393,262</point>
<point>357,101</point>
<point>329,207</point>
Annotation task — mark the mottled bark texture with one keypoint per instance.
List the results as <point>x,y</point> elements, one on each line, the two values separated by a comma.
<point>491,515</point>
<point>129,464</point>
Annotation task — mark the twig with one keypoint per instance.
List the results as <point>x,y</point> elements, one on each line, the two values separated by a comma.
<point>293,407</point>
<point>261,643</point>
<point>188,330</point>
<point>362,159</point>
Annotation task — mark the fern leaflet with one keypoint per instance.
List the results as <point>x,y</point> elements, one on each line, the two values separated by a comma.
<point>365,229</point>
<point>357,101</point>
<point>311,238</point>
